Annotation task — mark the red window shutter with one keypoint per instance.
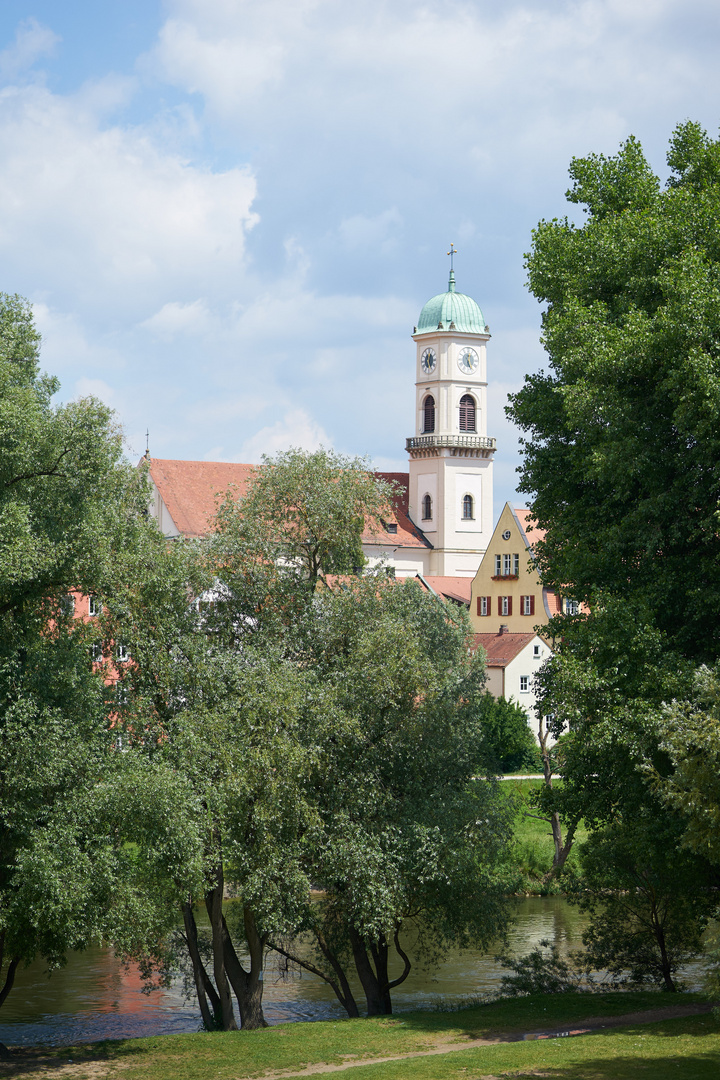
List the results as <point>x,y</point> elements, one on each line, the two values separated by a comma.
<point>522,605</point>
<point>479,605</point>
<point>532,605</point>
<point>509,605</point>
<point>500,605</point>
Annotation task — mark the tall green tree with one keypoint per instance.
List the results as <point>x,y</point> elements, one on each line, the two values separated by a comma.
<point>305,515</point>
<point>620,458</point>
<point>69,503</point>
<point>621,445</point>
<point>225,686</point>
<point>410,842</point>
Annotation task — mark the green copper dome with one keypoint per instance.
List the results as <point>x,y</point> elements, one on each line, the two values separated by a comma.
<point>451,307</point>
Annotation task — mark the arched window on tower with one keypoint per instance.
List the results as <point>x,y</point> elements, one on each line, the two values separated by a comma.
<point>468,508</point>
<point>467,413</point>
<point>429,413</point>
<point>427,508</point>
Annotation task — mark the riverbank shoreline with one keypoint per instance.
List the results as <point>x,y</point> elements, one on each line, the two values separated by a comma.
<point>435,1042</point>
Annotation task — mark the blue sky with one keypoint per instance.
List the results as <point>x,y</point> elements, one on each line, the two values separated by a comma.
<point>229,214</point>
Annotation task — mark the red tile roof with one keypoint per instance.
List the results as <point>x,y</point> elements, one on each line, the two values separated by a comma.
<point>454,588</point>
<point>501,649</point>
<point>525,520</point>
<point>193,490</point>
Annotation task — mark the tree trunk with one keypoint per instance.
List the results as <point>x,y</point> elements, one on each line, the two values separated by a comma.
<point>562,850</point>
<point>339,985</point>
<point>247,985</point>
<point>665,965</point>
<point>376,996</point>
<point>11,969</point>
<point>213,903</point>
<point>211,1014</point>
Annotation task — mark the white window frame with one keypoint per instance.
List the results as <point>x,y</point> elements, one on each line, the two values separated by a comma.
<point>122,653</point>
<point>527,605</point>
<point>524,684</point>
<point>504,605</point>
<point>498,566</point>
<point>94,606</point>
<point>484,605</point>
<point>536,652</point>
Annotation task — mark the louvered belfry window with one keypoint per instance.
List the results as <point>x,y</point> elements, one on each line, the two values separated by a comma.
<point>429,413</point>
<point>467,413</point>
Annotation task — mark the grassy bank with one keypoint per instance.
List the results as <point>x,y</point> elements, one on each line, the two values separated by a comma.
<point>533,844</point>
<point>688,1047</point>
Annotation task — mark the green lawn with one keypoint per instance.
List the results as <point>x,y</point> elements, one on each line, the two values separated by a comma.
<point>686,1048</point>
<point>533,845</point>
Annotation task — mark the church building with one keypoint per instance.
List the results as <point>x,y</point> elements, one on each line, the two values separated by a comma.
<point>442,521</point>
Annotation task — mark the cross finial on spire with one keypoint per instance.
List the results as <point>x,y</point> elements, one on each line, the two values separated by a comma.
<point>451,283</point>
<point>147,443</point>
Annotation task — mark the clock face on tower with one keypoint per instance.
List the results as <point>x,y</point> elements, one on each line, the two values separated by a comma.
<point>468,361</point>
<point>428,361</point>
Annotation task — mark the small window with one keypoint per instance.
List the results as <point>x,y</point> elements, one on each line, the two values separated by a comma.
<point>96,653</point>
<point>391,527</point>
<point>123,653</point>
<point>536,651</point>
<point>507,565</point>
<point>504,605</point>
<point>67,604</point>
<point>94,606</point>
<point>524,684</point>
<point>527,605</point>
<point>467,413</point>
<point>429,413</point>
<point>498,565</point>
<point>121,694</point>
<point>468,511</point>
<point>572,607</point>
<point>516,565</point>
<point>483,605</point>
<point>427,508</point>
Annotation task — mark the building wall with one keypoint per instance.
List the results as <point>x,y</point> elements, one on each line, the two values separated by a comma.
<point>509,539</point>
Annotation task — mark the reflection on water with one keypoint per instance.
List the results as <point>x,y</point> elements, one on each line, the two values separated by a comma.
<point>94,998</point>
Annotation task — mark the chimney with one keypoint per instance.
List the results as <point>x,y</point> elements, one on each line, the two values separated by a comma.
<point>503,628</point>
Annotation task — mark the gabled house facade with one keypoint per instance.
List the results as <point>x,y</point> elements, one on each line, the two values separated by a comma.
<point>507,590</point>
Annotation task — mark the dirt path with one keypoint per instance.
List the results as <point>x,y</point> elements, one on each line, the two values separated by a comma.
<point>34,1064</point>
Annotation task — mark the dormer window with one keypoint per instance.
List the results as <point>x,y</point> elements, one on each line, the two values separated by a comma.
<point>427,508</point>
<point>429,414</point>
<point>391,527</point>
<point>467,413</point>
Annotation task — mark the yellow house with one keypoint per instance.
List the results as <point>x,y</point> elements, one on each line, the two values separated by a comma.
<point>506,591</point>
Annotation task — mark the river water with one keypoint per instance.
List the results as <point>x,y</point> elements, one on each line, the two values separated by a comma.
<point>93,997</point>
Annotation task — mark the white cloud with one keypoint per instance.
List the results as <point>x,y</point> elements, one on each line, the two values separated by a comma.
<point>32,40</point>
<point>296,429</point>
<point>96,388</point>
<point>103,217</point>
<point>175,318</point>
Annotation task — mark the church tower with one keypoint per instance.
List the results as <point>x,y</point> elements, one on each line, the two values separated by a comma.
<point>451,455</point>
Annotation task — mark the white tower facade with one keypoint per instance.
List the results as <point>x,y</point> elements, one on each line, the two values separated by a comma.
<point>451,454</point>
